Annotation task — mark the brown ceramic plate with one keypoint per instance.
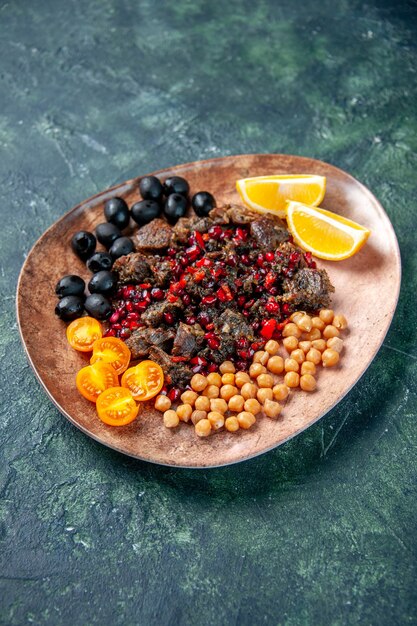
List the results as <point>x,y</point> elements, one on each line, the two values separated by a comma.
<point>367,288</point>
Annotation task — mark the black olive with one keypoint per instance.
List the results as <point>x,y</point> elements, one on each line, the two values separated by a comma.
<point>98,306</point>
<point>103,282</point>
<point>122,246</point>
<point>176,184</point>
<point>83,243</point>
<point>69,308</point>
<point>151,188</point>
<point>175,207</point>
<point>70,285</point>
<point>100,261</point>
<point>202,203</point>
<point>116,211</point>
<point>107,233</point>
<point>145,211</point>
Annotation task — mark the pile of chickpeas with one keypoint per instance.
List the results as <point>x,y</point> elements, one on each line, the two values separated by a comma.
<point>232,400</point>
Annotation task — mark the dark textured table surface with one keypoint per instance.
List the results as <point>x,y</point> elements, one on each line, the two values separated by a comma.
<point>320,531</point>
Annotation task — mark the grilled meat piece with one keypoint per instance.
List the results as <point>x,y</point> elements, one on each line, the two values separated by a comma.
<point>153,236</point>
<point>218,215</point>
<point>161,270</point>
<point>269,232</point>
<point>239,214</point>
<point>141,340</point>
<point>309,289</point>
<point>182,230</point>
<point>154,314</point>
<point>132,268</point>
<point>186,341</point>
<point>176,373</point>
<point>234,324</point>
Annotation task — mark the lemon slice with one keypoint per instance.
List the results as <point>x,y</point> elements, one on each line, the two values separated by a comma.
<point>325,234</point>
<point>270,194</point>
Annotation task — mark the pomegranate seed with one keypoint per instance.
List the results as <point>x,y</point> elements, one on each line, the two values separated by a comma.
<point>255,325</point>
<point>134,325</point>
<point>268,327</point>
<point>249,303</point>
<point>168,318</point>
<point>294,257</point>
<point>215,232</point>
<point>242,343</point>
<point>269,256</point>
<point>190,320</point>
<point>171,252</point>
<point>193,253</point>
<point>157,294</point>
<point>224,294</point>
<point>286,309</point>
<point>241,366</point>
<point>114,317</point>
<point>129,306</point>
<point>213,343</point>
<point>197,369</point>
<point>245,259</point>
<point>272,307</point>
<point>172,298</point>
<point>273,291</point>
<point>145,285</point>
<point>186,299</point>
<point>231,260</point>
<point>174,394</point>
<point>128,291</point>
<point>260,260</point>
<point>213,367</point>
<point>125,333</point>
<point>198,360</point>
<point>117,327</point>
<point>132,317</point>
<point>208,300</point>
<point>204,262</point>
<point>244,354</point>
<point>198,237</point>
<point>198,276</point>
<point>204,319</point>
<point>210,326</point>
<point>139,306</point>
<point>241,301</point>
<point>110,333</point>
<point>241,234</point>
<point>125,324</point>
<point>270,279</point>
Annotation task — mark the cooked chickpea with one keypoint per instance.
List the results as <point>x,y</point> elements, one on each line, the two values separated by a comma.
<point>330,331</point>
<point>312,335</point>
<point>307,382</point>
<point>261,356</point>
<point>241,378</point>
<point>212,391</point>
<point>330,357</point>
<point>326,315</point>
<point>290,343</point>
<point>248,391</point>
<point>280,392</point>
<point>162,403</point>
<point>216,419</point>
<point>272,409</point>
<point>214,378</point>
<point>265,380</point>
<point>184,412</point>
<point>276,364</point>
<point>319,344</point>
<point>246,419</point>
<point>252,406</point>
<point>227,391</point>
<point>335,343</point>
<point>296,316</point>
<point>314,356</point>
<point>232,424</point>
<point>340,322</point>
<point>292,379</point>
<point>236,403</point>
<point>304,323</point>
<point>189,397</point>
<point>291,330</point>
<point>291,365</point>
<point>316,322</point>
<point>198,382</point>
<point>171,419</point>
<point>308,367</point>
<point>264,394</point>
<point>197,416</point>
<point>305,346</point>
<point>256,369</point>
<point>298,355</point>
<point>228,379</point>
<point>203,428</point>
<point>227,368</point>
<point>271,347</point>
<point>219,405</point>
<point>202,403</point>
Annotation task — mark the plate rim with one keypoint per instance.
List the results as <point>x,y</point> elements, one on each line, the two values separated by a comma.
<point>131,183</point>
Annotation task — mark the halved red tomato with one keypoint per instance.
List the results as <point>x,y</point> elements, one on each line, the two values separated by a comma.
<point>113,351</point>
<point>145,380</point>
<point>92,380</point>
<point>116,406</point>
<point>83,332</point>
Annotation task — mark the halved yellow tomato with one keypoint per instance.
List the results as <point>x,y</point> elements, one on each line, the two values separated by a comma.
<point>145,380</point>
<point>113,351</point>
<point>92,380</point>
<point>83,332</point>
<point>116,406</point>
